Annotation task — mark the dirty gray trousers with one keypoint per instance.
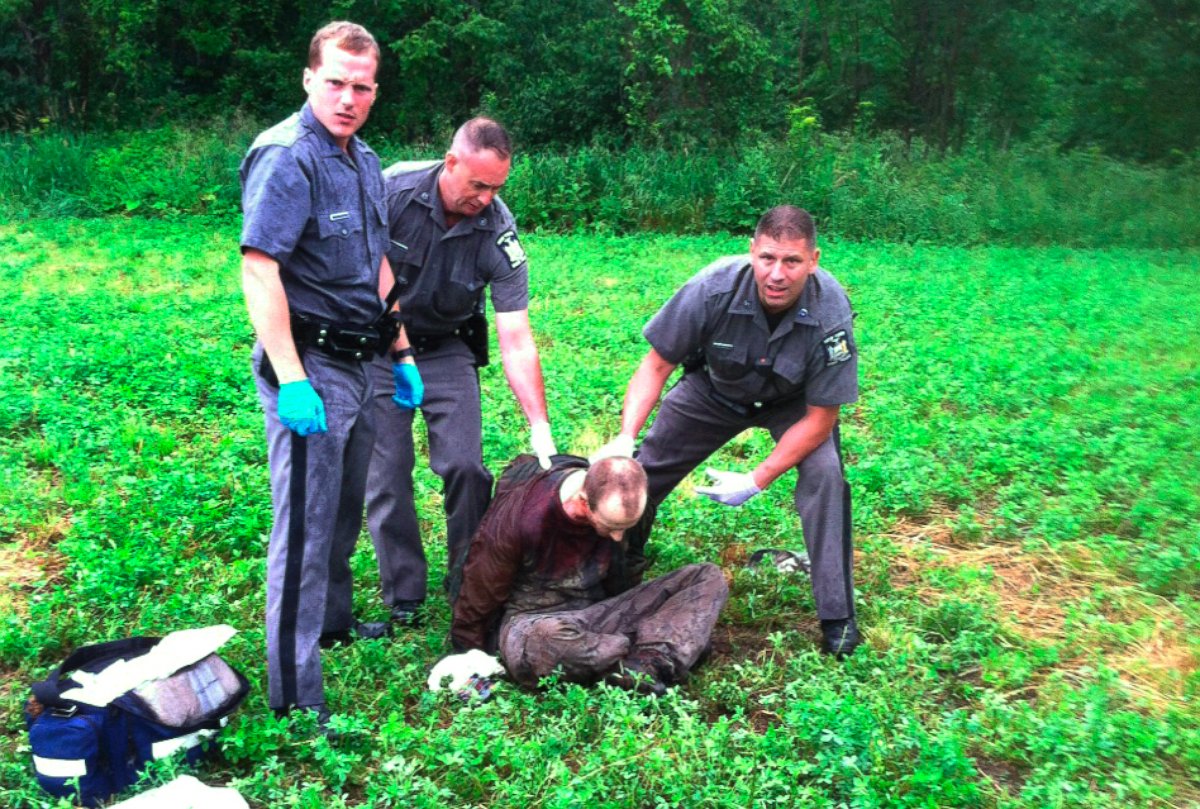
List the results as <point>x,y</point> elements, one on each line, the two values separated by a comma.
<point>672,615</point>
<point>317,486</point>
<point>690,426</point>
<point>455,426</point>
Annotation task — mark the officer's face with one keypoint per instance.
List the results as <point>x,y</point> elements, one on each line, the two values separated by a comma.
<point>341,90</point>
<point>780,270</point>
<point>470,180</point>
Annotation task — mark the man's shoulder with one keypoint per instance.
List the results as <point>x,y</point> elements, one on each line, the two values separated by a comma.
<point>502,218</point>
<point>287,133</point>
<point>408,174</point>
<point>831,301</point>
<point>719,277</point>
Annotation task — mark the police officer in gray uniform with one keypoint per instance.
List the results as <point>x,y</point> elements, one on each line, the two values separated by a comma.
<point>315,278</point>
<point>451,237</point>
<point>766,341</point>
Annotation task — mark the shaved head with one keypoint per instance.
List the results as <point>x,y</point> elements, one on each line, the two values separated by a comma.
<point>615,489</point>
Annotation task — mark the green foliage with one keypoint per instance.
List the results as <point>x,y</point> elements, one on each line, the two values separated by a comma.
<point>1041,398</point>
<point>858,186</point>
<point>1120,75</point>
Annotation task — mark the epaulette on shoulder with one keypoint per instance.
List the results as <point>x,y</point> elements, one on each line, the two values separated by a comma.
<point>407,173</point>
<point>284,133</point>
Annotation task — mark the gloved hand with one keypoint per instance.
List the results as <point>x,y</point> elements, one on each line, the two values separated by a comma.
<point>619,447</point>
<point>731,488</point>
<point>300,408</point>
<point>460,668</point>
<point>410,390</point>
<point>542,442</point>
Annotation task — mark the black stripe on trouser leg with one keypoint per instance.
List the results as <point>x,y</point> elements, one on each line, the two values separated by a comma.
<point>289,607</point>
<point>847,525</point>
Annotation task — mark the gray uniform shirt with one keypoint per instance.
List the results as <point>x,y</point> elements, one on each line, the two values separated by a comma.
<point>320,213</point>
<point>442,271</point>
<point>810,353</point>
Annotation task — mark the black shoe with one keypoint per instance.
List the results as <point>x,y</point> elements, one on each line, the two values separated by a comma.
<point>407,614</point>
<point>841,637</point>
<point>361,630</point>
<point>642,674</point>
<point>321,715</point>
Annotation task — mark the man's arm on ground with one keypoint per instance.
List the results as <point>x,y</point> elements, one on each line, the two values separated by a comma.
<point>794,445</point>
<point>268,307</point>
<point>522,364</point>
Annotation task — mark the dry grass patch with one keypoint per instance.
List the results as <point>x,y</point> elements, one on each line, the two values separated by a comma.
<point>1041,596</point>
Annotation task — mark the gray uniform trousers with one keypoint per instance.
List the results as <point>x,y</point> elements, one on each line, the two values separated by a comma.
<point>317,488</point>
<point>690,426</point>
<point>455,426</point>
<point>672,615</point>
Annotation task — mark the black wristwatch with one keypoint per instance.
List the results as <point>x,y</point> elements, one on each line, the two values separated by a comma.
<point>402,353</point>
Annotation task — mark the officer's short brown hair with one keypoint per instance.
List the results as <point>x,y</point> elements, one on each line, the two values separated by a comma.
<point>481,133</point>
<point>787,222</point>
<point>348,36</point>
<point>622,478</point>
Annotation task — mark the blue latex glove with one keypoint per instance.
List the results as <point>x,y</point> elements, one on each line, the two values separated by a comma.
<point>410,390</point>
<point>300,408</point>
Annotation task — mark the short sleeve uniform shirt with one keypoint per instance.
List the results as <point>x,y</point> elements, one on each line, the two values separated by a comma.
<point>442,271</point>
<point>810,353</point>
<point>320,213</point>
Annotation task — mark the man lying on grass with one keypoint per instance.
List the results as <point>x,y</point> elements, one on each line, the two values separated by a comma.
<point>538,582</point>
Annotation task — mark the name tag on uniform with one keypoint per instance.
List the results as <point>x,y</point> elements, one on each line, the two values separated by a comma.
<point>339,216</point>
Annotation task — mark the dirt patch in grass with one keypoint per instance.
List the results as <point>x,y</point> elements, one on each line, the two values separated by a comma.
<point>28,561</point>
<point>1037,593</point>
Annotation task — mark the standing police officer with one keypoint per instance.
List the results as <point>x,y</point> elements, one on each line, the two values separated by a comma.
<point>451,236</point>
<point>316,277</point>
<point>766,341</point>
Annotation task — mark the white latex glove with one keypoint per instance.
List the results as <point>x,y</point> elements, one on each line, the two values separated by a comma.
<point>542,442</point>
<point>730,488</point>
<point>460,667</point>
<point>619,447</point>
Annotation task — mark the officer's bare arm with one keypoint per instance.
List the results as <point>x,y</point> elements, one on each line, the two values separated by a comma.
<point>794,445</point>
<point>522,363</point>
<point>268,306</point>
<point>386,281</point>
<point>645,388</point>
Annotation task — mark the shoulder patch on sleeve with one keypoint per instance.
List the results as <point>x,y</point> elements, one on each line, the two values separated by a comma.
<point>837,348</point>
<point>507,242</point>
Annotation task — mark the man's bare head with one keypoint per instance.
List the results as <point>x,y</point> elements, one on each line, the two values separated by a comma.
<point>615,491</point>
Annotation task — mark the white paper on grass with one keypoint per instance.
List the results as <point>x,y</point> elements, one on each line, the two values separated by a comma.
<point>460,667</point>
<point>174,652</point>
<point>186,792</point>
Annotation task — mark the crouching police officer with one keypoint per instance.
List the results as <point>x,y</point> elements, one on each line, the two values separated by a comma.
<point>317,285</point>
<point>766,341</point>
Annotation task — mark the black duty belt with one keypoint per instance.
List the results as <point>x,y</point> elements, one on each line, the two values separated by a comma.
<point>341,340</point>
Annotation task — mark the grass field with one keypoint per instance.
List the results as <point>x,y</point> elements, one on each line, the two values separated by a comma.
<point>1024,461</point>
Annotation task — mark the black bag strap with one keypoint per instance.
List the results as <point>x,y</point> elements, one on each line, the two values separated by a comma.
<point>49,691</point>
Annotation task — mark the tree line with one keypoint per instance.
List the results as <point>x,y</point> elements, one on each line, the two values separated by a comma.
<point>1121,76</point>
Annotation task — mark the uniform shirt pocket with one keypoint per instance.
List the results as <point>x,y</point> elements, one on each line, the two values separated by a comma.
<point>726,363</point>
